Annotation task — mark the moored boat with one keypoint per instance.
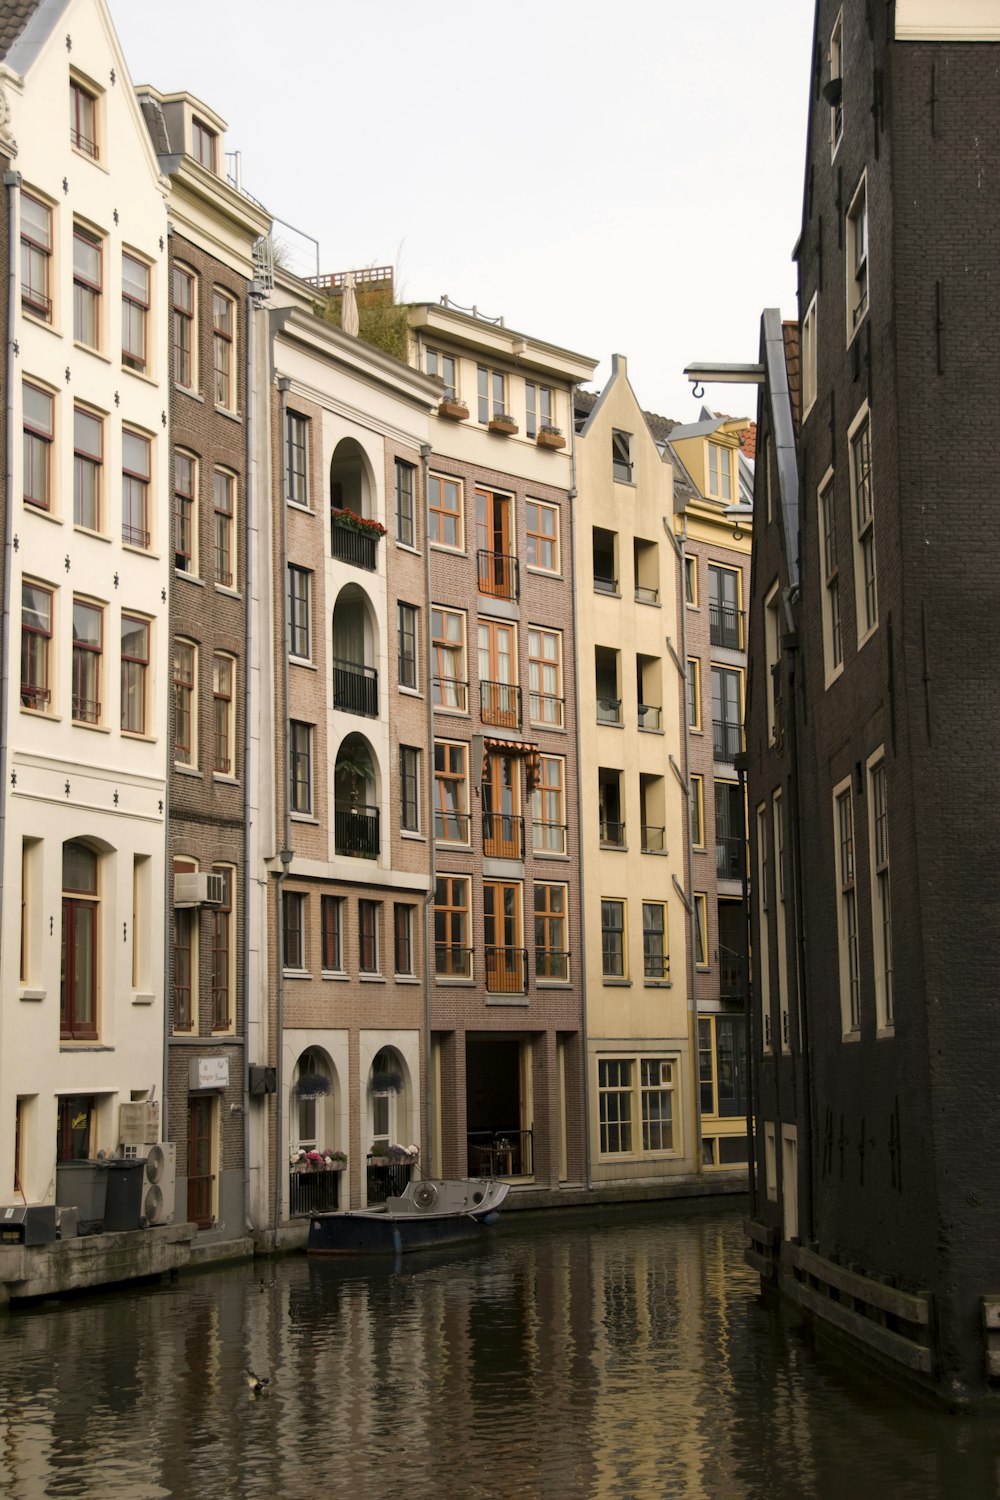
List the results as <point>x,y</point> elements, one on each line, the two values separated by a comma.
<point>430,1212</point>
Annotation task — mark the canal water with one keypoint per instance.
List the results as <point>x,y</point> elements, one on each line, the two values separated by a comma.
<point>626,1357</point>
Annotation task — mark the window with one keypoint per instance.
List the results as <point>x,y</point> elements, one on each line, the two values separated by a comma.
<point>407,633</point>
<point>809,359</point>
<point>223,719</point>
<point>495,561</point>
<point>83,119</point>
<point>730,834</point>
<point>727,713</point>
<point>185,667</point>
<point>299,626</point>
<point>857,261</point>
<point>506,960</point>
<point>87,287</point>
<point>698,811</point>
<point>293,917</point>
<point>185,342</point>
<point>402,932</point>
<point>834,93</point>
<point>878,821</point>
<point>39,421</point>
<point>691,580</point>
<point>222,970</point>
<point>224,500</point>
<point>780,927</point>
<point>499,696</point>
<point>551,946</point>
<point>611,821</point>
<point>135,673</point>
<point>541,547</point>
<point>88,461</point>
<point>185,957</point>
<point>763,900</point>
<point>546,704</point>
<point>656,1090</point>
<point>621,456</point>
<point>614,1088</point>
<point>548,807</point>
<point>613,939</point>
<point>185,512</point>
<point>88,647</point>
<point>36,256</point>
<point>450,684</point>
<point>725,618</point>
<point>405,514</point>
<point>368,937</point>
<point>223,331</point>
<point>772,663</point>
<point>297,458</point>
<point>722,1066</point>
<point>445,522</point>
<point>135,312</point>
<point>451,811</point>
<point>701,929</point>
<point>500,794</point>
<point>80,940</point>
<point>409,784</point>
<point>490,388</point>
<point>300,767</point>
<point>136,469</point>
<point>444,366</point>
<point>865,584</point>
<point>36,641</point>
<point>452,954</point>
<point>655,960</point>
<point>332,916</point>
<point>204,143</point>
<point>539,407</point>
<point>833,647</point>
<point>847,911</point>
<point>720,471</point>
<point>694,692</point>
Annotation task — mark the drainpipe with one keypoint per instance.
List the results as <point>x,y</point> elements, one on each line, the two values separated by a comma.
<point>168,902</point>
<point>12,181</point>
<point>571,496</point>
<point>427,1136</point>
<point>791,652</point>
<point>285,854</point>
<point>748,1011</point>
<point>248,495</point>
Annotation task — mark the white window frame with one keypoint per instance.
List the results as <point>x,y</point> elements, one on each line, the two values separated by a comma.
<point>845,874</point>
<point>856,259</point>
<point>881,892</point>
<point>829,577</point>
<point>863,532</point>
<point>809,353</point>
<point>763,929</point>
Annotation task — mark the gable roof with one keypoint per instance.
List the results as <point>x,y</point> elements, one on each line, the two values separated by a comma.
<point>14,17</point>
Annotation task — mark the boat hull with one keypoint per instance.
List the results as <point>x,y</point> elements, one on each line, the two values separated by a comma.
<point>460,1211</point>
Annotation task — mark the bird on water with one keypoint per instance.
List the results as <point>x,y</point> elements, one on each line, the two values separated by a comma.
<point>257,1384</point>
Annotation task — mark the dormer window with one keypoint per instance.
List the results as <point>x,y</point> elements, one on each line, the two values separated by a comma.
<point>720,471</point>
<point>204,144</point>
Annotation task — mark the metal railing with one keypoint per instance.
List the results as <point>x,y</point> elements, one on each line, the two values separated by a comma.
<point>730,979</point>
<point>645,595</point>
<point>352,546</point>
<point>355,687</point>
<point>655,966</point>
<point>506,971</point>
<point>451,962</point>
<point>387,1180</point>
<point>551,963</point>
<point>546,708</point>
<point>725,625</point>
<point>501,1153</point>
<point>356,830</point>
<point>652,838</point>
<point>450,693</point>
<point>650,716</point>
<point>134,536</point>
<point>503,835</point>
<point>730,856</point>
<point>451,827</point>
<point>727,740</point>
<point>612,834</point>
<point>548,838</point>
<point>605,585</point>
<point>500,704</point>
<point>609,710</point>
<point>498,574</point>
<point>313,1193</point>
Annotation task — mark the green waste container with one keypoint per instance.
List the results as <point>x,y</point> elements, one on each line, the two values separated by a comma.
<point>125,1178</point>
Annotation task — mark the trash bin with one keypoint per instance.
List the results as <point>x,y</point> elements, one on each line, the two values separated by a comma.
<point>124,1200</point>
<point>83,1185</point>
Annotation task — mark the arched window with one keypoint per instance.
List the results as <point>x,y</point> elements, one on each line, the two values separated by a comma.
<point>80,939</point>
<point>313,1089</point>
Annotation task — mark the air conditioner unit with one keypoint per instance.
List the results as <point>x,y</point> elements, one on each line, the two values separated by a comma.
<point>194,888</point>
<point>159,1187</point>
<point>138,1122</point>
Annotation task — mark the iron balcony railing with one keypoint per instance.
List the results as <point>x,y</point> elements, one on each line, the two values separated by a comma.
<point>86,710</point>
<point>730,855</point>
<point>355,687</point>
<point>548,838</point>
<point>551,963</point>
<point>452,962</point>
<point>498,574</point>
<point>135,536</point>
<point>387,1180</point>
<point>612,834</point>
<point>356,830</point>
<point>352,546</point>
<point>546,708</point>
<point>313,1193</point>
<point>450,693</point>
<point>500,704</point>
<point>650,716</point>
<point>451,827</point>
<point>609,710</point>
<point>503,836</point>
<point>655,965</point>
<point>652,838</point>
<point>506,971</point>
<point>730,979</point>
<point>727,740</point>
<point>725,625</point>
<point>33,696</point>
<point>501,1153</point>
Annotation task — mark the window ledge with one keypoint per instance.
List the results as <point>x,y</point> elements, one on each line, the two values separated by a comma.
<point>517,1000</point>
<point>139,738</point>
<point>454,984</point>
<point>452,551</point>
<point>409,692</point>
<point>550,854</point>
<point>230,593</point>
<point>189,577</point>
<point>616,984</point>
<point>190,392</point>
<point>183,770</point>
<point>231,416</point>
<point>40,713</point>
<point>408,547</point>
<point>882,1034</point>
<point>138,375</point>
<point>335,974</point>
<point>658,984</point>
<point>86,156</point>
<point>306,818</point>
<point>141,998</point>
<point>548,728</point>
<point>89,349</point>
<point>99,536</point>
<point>295,974</point>
<point>306,510</point>
<point>140,551</point>
<point>66,1045</point>
<point>31,509</point>
<point>223,780</point>
<point>851,1036</point>
<point>33,994</point>
<point>372,978</point>
<point>413,835</point>
<point>38,322</point>
<point>553,984</point>
<point>301,661</point>
<point>543,572</point>
<point>94,728</point>
<point>406,979</point>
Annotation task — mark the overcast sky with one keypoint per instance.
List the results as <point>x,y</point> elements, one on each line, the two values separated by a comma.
<point>609,175</point>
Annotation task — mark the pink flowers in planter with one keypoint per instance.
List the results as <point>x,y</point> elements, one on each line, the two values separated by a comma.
<point>353,522</point>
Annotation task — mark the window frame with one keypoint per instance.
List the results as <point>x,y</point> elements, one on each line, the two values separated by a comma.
<point>408,638</point>
<point>36,256</point>
<point>431,358</point>
<point>184,327</point>
<point>809,357</point>
<point>655,964</point>
<point>445,775</point>
<point>881,892</point>
<point>369,955</point>
<point>225,489</point>
<point>405,480</point>
<point>845,869</point>
<point>540,670</point>
<point>859,436</point>
<point>86,651</point>
<point>837,71</point>
<point>136,491</point>
<point>332,934</point>
<point>403,955</point>
<point>75,900</point>
<point>612,932</point>
<point>300,768</point>
<point>547,790</point>
<point>489,405</point>
<point>693,685</point>
<point>186,963</point>
<point>225,395</point>
<point>856,259</point>
<point>135,675</point>
<point>135,315</point>
<point>186,520</point>
<point>88,294</point>
<point>297,459</point>
<point>456,689</point>
<point>79,91</point>
<point>622,457</point>
<point>539,407</point>
<point>535,537</point>
<point>37,686</point>
<point>38,445</point>
<point>222,954</point>
<point>696,801</point>
<point>690,580</point>
<point>829,568</point>
<point>293,932</point>
<point>409,789</point>
<point>452,918</point>
<point>441,516</point>
<point>184,685</point>
<point>700,935</point>
<point>299,612</point>
<point>90,462</point>
<point>203,136</point>
<point>550,922</point>
<point>721,475</point>
<point>224,692</point>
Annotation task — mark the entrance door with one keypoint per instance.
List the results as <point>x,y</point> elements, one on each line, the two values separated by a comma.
<point>496,564</point>
<point>201,1178</point>
<point>497,660</point>
<point>502,936</point>
<point>501,825</point>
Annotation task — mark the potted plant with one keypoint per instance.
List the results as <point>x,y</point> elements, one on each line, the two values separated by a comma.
<point>453,407</point>
<point>502,423</point>
<point>312,1086</point>
<point>550,437</point>
<point>351,521</point>
<point>378,1155</point>
<point>335,1161</point>
<point>386,1081</point>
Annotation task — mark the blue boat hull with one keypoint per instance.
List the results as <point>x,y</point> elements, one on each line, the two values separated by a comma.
<point>428,1215</point>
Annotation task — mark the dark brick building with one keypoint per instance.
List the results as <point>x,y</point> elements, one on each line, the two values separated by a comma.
<point>873,706</point>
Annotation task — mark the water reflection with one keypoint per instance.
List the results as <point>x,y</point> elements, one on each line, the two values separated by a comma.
<point>628,1359</point>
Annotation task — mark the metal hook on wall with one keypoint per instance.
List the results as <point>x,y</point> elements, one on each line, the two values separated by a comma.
<point>697,392</point>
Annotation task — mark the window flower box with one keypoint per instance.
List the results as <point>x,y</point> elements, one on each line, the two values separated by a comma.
<point>302,1161</point>
<point>502,424</point>
<point>550,437</point>
<point>349,520</point>
<point>453,408</point>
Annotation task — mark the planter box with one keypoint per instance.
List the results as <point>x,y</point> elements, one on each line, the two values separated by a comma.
<point>551,440</point>
<point>457,411</point>
<point>503,426</point>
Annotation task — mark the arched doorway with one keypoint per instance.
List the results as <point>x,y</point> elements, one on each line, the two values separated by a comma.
<point>355,679</point>
<point>355,807</point>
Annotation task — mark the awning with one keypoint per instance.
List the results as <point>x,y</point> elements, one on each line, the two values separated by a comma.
<point>528,752</point>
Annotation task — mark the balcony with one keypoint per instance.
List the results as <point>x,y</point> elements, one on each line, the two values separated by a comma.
<point>612,834</point>
<point>730,857</point>
<point>356,830</point>
<point>546,709</point>
<point>503,836</point>
<point>653,838</point>
<point>313,1193</point>
<point>451,827</point>
<point>498,574</point>
<point>609,711</point>
<point>355,687</point>
<point>604,584</point>
<point>645,595</point>
<point>551,963</point>
<point>387,1179</point>
<point>506,971</point>
<point>500,704</point>
<point>650,717</point>
<point>548,838</point>
<point>730,978</point>
<point>501,1153</point>
<point>450,693</point>
<point>352,542</point>
<point>727,740</point>
<point>725,625</point>
<point>451,962</point>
